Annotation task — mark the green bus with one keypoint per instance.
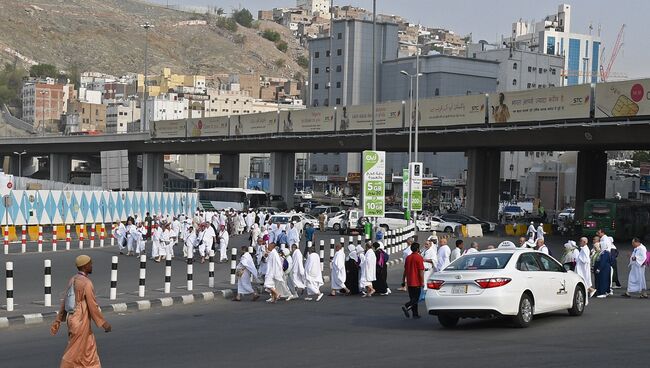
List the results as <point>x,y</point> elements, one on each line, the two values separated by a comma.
<point>619,218</point>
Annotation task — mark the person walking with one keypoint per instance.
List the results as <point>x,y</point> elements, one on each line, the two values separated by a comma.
<point>82,347</point>
<point>414,275</point>
<point>636,281</point>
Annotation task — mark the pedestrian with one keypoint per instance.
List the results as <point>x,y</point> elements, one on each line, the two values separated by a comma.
<point>414,275</point>
<point>157,245</point>
<point>473,248</point>
<point>338,272</point>
<point>223,238</point>
<point>430,259</point>
<point>140,236</point>
<point>405,253</point>
<point>540,232</point>
<point>583,264</point>
<point>282,238</point>
<point>190,242</point>
<point>282,286</point>
<point>380,284</point>
<point>148,220</point>
<point>321,221</point>
<point>368,271</point>
<point>603,270</point>
<point>167,241</point>
<point>206,240</point>
<point>313,275</point>
<point>293,236</point>
<point>541,247</point>
<point>131,237</point>
<point>607,241</point>
<point>309,235</point>
<point>522,242</point>
<point>636,280</point>
<point>443,255</point>
<point>82,347</point>
<point>274,272</point>
<point>120,233</point>
<point>530,233</point>
<point>458,251</point>
<point>297,279</point>
<point>246,273</point>
<point>352,270</point>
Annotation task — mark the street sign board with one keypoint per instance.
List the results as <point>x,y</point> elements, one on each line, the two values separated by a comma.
<point>405,188</point>
<point>374,181</point>
<point>416,185</point>
<point>6,184</point>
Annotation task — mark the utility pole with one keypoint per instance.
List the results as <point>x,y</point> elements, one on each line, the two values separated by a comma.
<point>374,74</point>
<point>145,94</point>
<point>329,76</point>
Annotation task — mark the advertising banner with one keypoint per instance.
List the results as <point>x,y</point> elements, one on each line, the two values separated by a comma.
<point>540,104</point>
<point>374,180</point>
<point>623,99</point>
<point>388,115</point>
<point>208,127</point>
<point>455,110</point>
<point>405,188</point>
<point>169,129</point>
<point>254,124</point>
<point>314,120</point>
<point>416,185</point>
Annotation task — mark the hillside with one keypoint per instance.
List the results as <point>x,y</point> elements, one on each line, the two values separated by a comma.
<point>105,36</point>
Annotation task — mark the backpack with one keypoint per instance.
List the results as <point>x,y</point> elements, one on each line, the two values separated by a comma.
<point>70,299</point>
<point>285,265</point>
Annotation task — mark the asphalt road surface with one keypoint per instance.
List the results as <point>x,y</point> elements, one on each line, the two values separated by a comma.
<point>347,331</point>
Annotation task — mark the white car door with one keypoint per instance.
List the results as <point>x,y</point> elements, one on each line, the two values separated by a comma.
<point>535,279</point>
<point>559,294</point>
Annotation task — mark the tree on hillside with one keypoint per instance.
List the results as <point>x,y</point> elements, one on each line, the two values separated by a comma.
<point>271,35</point>
<point>303,61</point>
<point>11,82</point>
<point>219,11</point>
<point>282,46</point>
<point>43,71</point>
<point>243,17</point>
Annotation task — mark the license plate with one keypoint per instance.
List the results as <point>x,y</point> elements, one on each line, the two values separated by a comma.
<point>459,289</point>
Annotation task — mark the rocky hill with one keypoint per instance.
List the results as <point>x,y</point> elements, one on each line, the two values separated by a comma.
<point>105,36</point>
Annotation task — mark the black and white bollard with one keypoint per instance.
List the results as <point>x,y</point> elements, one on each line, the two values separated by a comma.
<point>321,254</point>
<point>54,239</point>
<point>233,265</point>
<point>190,274</point>
<point>40,239</point>
<point>47,282</point>
<point>143,275</point>
<point>211,268</point>
<point>168,274</point>
<point>67,237</point>
<point>333,245</point>
<point>359,241</point>
<point>23,239</point>
<point>113,293</point>
<point>10,286</point>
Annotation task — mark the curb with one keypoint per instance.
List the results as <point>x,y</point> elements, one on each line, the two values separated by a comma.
<point>136,306</point>
<point>395,262</point>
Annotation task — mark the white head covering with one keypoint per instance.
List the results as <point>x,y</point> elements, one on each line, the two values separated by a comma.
<point>353,252</point>
<point>570,245</point>
<point>529,243</point>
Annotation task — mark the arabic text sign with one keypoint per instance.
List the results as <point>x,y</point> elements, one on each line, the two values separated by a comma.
<point>388,115</point>
<point>374,182</point>
<point>254,124</point>
<point>312,120</point>
<point>455,110</point>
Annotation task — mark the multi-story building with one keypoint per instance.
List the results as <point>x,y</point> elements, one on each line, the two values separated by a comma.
<point>43,104</point>
<point>165,82</point>
<point>554,36</point>
<point>121,116</point>
<point>520,69</point>
<point>168,106</point>
<point>91,117</point>
<point>319,8</point>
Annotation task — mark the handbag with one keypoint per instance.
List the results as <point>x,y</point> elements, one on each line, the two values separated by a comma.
<point>70,303</point>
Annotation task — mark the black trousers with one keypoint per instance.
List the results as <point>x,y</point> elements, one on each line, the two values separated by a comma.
<point>414,298</point>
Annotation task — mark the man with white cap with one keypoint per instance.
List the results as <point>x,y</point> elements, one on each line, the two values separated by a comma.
<point>79,307</point>
<point>313,275</point>
<point>338,275</point>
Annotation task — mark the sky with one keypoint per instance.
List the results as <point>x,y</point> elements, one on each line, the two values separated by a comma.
<point>489,19</point>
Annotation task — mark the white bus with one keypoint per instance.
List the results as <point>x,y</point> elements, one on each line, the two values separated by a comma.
<point>235,198</point>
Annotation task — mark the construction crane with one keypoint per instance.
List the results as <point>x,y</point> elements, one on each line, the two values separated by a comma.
<point>605,71</point>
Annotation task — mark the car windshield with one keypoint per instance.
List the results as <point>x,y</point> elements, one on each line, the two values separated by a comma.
<point>512,209</point>
<point>480,261</point>
<point>280,219</point>
<point>318,210</point>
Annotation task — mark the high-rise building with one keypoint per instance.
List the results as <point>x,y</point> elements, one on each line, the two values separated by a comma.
<point>319,8</point>
<point>554,36</point>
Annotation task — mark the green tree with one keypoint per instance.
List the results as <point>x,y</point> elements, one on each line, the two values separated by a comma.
<point>271,35</point>
<point>282,46</point>
<point>303,61</point>
<point>228,24</point>
<point>11,84</point>
<point>243,17</point>
<point>640,156</point>
<point>43,71</point>
<point>279,63</point>
<point>219,11</point>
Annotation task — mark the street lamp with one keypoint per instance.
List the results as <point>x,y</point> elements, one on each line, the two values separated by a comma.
<point>410,76</point>
<point>374,74</point>
<point>20,162</point>
<point>43,93</point>
<point>143,118</point>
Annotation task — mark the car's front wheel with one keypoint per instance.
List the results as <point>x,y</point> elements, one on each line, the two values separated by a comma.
<point>525,314</point>
<point>578,302</point>
<point>447,321</point>
<point>449,230</point>
<point>336,227</point>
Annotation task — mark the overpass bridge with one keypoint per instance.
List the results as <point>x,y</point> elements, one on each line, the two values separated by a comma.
<point>590,120</point>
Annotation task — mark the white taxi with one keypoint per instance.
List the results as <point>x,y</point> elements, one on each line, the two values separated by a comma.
<point>517,283</point>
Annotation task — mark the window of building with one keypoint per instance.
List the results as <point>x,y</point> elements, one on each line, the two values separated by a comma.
<point>339,36</point>
<point>314,168</point>
<point>338,84</point>
<point>315,85</point>
<point>553,71</point>
<point>338,68</point>
<point>339,52</point>
<point>316,55</point>
<point>436,92</point>
<point>316,70</point>
<point>327,102</point>
<point>530,69</point>
<point>537,154</point>
<point>426,171</point>
<point>514,66</point>
<point>528,85</point>
<point>325,168</point>
<point>338,101</point>
<point>327,53</point>
<point>514,82</point>
<point>525,170</point>
<point>540,70</point>
<point>336,169</point>
<point>315,104</point>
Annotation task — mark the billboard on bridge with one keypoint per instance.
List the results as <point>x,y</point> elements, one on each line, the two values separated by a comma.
<point>169,128</point>
<point>254,124</point>
<point>208,127</point>
<point>388,115</point>
<point>542,104</point>
<point>623,99</point>
<point>314,120</point>
<point>453,110</point>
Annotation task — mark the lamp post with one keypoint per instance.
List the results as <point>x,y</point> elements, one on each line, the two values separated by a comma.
<point>329,73</point>
<point>43,93</point>
<point>20,162</point>
<point>374,74</point>
<point>143,118</point>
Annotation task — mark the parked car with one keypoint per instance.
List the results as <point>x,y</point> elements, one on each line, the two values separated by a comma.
<point>396,220</point>
<point>335,222</point>
<point>566,214</point>
<point>306,207</point>
<point>329,210</point>
<point>486,226</point>
<point>513,212</point>
<point>350,202</point>
<point>302,195</point>
<point>438,224</point>
<point>516,283</point>
<point>276,200</point>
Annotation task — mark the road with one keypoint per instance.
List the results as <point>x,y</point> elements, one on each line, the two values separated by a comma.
<point>348,332</point>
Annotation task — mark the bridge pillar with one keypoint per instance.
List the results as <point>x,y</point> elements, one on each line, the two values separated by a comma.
<point>229,165</point>
<point>591,178</point>
<point>60,167</point>
<point>133,171</point>
<point>283,171</point>
<point>153,172</point>
<point>483,168</point>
